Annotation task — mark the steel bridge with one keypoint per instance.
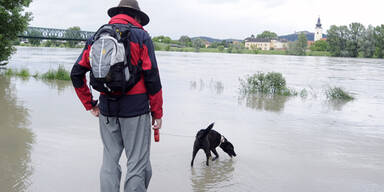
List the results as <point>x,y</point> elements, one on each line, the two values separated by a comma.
<point>55,34</point>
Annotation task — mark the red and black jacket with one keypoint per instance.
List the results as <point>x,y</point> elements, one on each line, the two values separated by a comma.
<point>145,96</point>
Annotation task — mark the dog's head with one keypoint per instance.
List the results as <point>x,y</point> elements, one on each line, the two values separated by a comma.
<point>228,148</point>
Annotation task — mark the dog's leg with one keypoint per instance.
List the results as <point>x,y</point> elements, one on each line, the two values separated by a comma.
<point>194,155</point>
<point>216,154</point>
<point>208,154</point>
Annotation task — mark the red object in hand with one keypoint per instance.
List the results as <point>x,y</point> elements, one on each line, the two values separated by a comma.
<point>157,135</point>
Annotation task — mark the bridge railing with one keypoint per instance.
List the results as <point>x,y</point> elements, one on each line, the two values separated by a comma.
<point>55,34</point>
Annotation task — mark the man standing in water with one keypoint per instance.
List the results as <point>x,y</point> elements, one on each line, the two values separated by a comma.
<point>125,122</point>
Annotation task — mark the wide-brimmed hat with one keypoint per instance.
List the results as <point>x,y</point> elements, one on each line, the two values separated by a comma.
<point>132,7</point>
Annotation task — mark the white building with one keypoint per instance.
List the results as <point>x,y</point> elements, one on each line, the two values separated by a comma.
<point>265,44</point>
<point>278,44</point>
<point>318,31</point>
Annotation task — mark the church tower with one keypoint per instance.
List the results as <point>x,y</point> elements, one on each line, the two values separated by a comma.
<point>318,31</point>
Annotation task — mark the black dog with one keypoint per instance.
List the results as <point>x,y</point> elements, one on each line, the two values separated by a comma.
<point>208,139</point>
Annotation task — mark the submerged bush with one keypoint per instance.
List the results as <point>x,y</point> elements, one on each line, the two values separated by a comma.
<point>60,74</point>
<point>271,83</point>
<point>10,72</point>
<point>337,93</point>
<point>23,73</point>
<point>49,75</point>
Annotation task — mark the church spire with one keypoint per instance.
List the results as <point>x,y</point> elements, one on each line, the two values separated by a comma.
<point>318,25</point>
<point>318,31</point>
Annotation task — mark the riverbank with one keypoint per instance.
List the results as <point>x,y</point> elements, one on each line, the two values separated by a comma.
<point>235,49</point>
<point>168,47</point>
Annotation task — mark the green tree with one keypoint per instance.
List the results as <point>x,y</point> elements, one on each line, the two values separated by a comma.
<point>162,39</point>
<point>379,38</point>
<point>186,41</point>
<point>157,46</point>
<point>35,41</point>
<point>230,48</point>
<point>367,45</point>
<point>220,48</point>
<point>197,44</point>
<point>302,44</point>
<point>167,48</point>
<point>224,43</point>
<point>320,45</point>
<point>238,47</point>
<point>267,35</point>
<point>13,21</point>
<point>355,36</point>
<point>337,37</point>
<point>298,47</point>
<point>73,33</point>
<point>214,45</point>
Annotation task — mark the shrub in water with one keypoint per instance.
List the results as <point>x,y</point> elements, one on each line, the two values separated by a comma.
<point>60,74</point>
<point>50,75</point>
<point>337,93</point>
<point>9,72</point>
<point>36,75</point>
<point>23,73</point>
<point>271,83</point>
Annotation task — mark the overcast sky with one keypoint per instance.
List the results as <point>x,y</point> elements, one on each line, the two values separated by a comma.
<point>214,18</point>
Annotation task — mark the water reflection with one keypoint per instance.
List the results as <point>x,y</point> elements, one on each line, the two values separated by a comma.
<point>263,102</point>
<point>15,141</point>
<point>59,85</point>
<point>215,86</point>
<point>213,177</point>
<point>337,105</point>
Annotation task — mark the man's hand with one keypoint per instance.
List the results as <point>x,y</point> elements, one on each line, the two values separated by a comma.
<point>95,111</point>
<point>156,123</point>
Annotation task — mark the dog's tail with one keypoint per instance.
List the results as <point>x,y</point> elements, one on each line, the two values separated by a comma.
<point>204,132</point>
<point>210,127</point>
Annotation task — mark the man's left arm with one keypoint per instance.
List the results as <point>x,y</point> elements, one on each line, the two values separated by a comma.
<point>152,79</point>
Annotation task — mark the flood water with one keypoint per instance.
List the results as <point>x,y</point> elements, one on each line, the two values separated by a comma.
<point>48,142</point>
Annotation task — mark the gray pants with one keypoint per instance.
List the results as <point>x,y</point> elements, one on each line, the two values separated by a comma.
<point>133,135</point>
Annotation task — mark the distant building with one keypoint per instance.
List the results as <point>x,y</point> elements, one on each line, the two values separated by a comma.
<point>265,44</point>
<point>207,44</point>
<point>318,31</point>
<point>280,44</point>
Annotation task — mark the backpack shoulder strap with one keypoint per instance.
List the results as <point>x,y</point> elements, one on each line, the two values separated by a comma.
<point>107,28</point>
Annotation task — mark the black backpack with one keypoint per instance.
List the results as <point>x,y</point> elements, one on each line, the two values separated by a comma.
<point>110,60</point>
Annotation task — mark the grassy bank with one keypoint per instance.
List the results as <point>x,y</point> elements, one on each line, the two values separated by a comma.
<point>59,74</point>
<point>176,48</point>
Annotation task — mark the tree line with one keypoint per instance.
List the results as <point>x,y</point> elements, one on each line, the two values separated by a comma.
<point>165,43</point>
<point>356,40</point>
<point>353,40</point>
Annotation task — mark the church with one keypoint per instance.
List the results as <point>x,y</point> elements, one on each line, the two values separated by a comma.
<point>281,43</point>
<point>318,31</point>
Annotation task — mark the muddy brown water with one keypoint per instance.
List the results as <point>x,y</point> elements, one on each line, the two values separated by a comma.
<point>49,143</point>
